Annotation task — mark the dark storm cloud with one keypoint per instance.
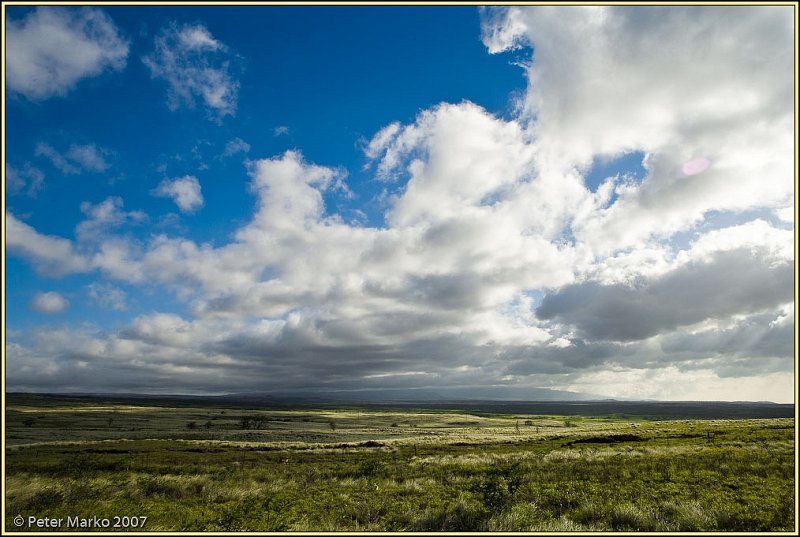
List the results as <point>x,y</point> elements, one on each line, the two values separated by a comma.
<point>731,282</point>
<point>456,291</point>
<point>757,335</point>
<point>578,355</point>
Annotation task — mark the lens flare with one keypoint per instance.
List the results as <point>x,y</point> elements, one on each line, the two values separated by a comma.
<point>695,166</point>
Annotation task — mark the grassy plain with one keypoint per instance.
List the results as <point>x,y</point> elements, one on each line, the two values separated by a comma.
<point>214,468</point>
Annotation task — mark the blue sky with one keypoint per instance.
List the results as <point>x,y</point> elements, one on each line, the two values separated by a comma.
<point>295,198</point>
<point>367,65</point>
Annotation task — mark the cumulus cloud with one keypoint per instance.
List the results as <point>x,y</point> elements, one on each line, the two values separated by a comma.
<point>50,255</point>
<point>97,245</point>
<point>495,264</point>
<point>571,95</point>
<point>195,65</point>
<point>184,191</point>
<point>49,303</point>
<point>727,104</point>
<point>51,49</point>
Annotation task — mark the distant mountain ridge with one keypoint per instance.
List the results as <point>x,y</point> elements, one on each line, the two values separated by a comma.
<point>658,410</point>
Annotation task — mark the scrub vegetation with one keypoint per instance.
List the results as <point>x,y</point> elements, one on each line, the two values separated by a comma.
<point>212,468</point>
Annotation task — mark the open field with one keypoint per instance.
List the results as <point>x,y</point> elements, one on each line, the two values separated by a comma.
<point>217,468</point>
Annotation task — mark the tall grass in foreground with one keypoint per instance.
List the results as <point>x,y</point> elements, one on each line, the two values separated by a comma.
<point>668,477</point>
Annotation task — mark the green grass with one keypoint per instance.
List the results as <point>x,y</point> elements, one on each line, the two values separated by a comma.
<point>397,471</point>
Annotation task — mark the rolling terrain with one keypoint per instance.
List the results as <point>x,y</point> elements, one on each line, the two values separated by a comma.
<point>208,464</point>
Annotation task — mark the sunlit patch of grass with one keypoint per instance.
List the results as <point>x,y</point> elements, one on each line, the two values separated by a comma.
<point>688,515</point>
<point>629,517</point>
<point>524,516</point>
<point>561,524</point>
<point>172,487</point>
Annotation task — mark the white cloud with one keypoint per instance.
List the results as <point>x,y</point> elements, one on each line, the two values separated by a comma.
<point>290,189</point>
<point>117,257</point>
<point>456,157</point>
<point>279,130</point>
<point>785,214</point>
<point>50,50</point>
<point>28,179</point>
<point>184,191</point>
<point>76,159</point>
<point>57,159</point>
<point>107,296</point>
<point>670,383</point>
<point>379,144</point>
<point>103,217</point>
<point>676,82</point>
<point>89,157</point>
<point>589,57</point>
<point>237,145</point>
<point>194,65</point>
<point>51,255</point>
<point>163,329</point>
<point>772,244</point>
<point>197,38</point>
<point>49,303</point>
